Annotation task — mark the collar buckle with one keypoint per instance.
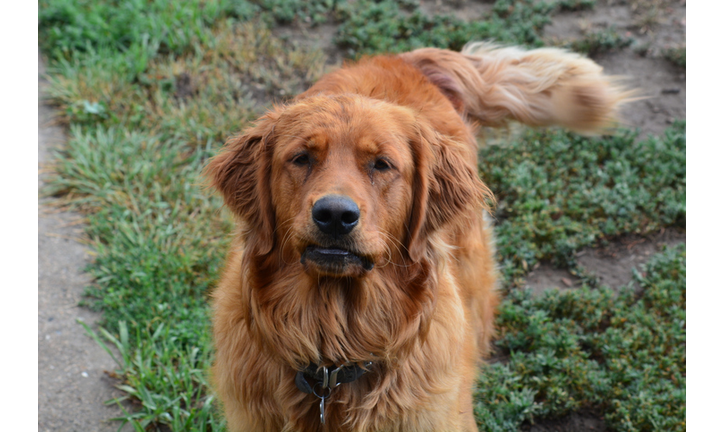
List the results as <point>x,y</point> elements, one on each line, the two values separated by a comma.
<point>322,376</point>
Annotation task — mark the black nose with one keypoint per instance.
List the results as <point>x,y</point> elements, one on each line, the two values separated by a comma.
<point>335,215</point>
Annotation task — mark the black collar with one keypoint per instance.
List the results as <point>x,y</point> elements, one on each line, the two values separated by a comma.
<point>328,379</point>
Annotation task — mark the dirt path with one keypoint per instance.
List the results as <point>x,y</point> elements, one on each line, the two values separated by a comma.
<point>72,385</point>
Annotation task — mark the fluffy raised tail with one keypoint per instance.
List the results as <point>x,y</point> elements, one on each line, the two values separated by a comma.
<point>540,87</point>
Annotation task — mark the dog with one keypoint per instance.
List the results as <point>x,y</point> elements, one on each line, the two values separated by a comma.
<point>359,293</point>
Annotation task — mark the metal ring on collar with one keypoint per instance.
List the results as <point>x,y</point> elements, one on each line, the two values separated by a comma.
<point>322,396</point>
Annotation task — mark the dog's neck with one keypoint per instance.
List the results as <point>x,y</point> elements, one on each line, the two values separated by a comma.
<point>337,320</point>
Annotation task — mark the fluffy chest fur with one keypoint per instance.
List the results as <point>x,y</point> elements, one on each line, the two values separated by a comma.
<point>271,339</point>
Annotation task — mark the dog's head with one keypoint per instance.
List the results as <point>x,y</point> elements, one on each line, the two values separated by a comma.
<point>344,184</point>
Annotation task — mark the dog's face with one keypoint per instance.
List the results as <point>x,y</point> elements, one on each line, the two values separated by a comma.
<point>344,184</point>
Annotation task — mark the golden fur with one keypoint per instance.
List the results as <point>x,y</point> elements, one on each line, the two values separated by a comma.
<point>424,313</point>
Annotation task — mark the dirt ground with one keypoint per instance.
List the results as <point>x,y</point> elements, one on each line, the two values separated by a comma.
<point>72,382</point>
<point>612,265</point>
<point>584,421</point>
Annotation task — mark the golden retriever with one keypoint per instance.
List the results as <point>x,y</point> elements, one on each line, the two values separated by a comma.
<point>360,292</point>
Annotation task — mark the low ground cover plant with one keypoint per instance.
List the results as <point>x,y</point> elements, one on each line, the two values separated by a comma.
<point>595,42</point>
<point>558,192</point>
<point>147,101</point>
<point>676,55</point>
<point>622,354</point>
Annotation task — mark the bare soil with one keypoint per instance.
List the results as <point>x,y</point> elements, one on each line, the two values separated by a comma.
<point>612,265</point>
<point>582,421</point>
<point>462,9</point>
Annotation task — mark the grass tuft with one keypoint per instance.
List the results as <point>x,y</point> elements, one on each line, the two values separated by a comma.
<point>676,55</point>
<point>576,5</point>
<point>600,41</point>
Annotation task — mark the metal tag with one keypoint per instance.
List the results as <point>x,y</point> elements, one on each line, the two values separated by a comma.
<point>321,409</point>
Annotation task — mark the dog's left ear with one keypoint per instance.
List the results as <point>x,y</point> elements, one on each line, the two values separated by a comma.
<point>446,184</point>
<point>241,173</point>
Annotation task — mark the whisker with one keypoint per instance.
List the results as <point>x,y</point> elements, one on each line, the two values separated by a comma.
<point>287,236</point>
<point>397,244</point>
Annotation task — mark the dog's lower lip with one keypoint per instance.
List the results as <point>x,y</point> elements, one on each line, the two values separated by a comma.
<point>335,257</point>
<point>332,251</point>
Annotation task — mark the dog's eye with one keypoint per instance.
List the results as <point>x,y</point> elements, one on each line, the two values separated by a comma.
<point>301,159</point>
<point>382,165</point>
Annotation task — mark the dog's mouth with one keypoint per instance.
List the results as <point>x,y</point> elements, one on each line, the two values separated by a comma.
<point>335,261</point>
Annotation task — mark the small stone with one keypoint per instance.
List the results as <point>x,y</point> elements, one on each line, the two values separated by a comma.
<point>84,374</point>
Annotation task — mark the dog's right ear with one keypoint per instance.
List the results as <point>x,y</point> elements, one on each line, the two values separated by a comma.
<point>446,185</point>
<point>241,173</point>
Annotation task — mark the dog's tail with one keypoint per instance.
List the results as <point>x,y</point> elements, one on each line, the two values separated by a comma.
<point>548,86</point>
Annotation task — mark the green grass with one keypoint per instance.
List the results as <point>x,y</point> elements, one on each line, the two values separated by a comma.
<point>69,27</point>
<point>149,91</point>
<point>371,26</point>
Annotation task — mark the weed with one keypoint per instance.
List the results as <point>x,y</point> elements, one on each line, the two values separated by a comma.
<point>286,11</point>
<point>642,49</point>
<point>241,66</point>
<point>676,55</point>
<point>168,379</point>
<point>576,5</point>
<point>647,14</point>
<point>597,42</point>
